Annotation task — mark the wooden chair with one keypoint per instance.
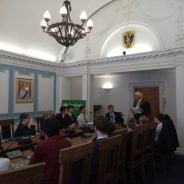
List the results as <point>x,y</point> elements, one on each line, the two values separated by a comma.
<point>149,145</point>
<point>122,156</point>
<point>7,128</point>
<point>77,159</point>
<point>109,151</point>
<point>32,174</point>
<point>134,159</point>
<point>38,123</point>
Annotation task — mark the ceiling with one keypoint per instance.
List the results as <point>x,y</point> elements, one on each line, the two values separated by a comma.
<point>20,24</point>
<point>20,29</point>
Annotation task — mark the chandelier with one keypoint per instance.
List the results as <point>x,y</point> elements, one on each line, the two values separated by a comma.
<point>66,32</point>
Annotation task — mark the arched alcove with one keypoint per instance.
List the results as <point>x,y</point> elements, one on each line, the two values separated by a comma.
<point>146,40</point>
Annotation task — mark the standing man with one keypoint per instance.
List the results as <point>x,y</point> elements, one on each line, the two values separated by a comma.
<point>141,107</point>
<point>82,119</point>
<point>114,117</point>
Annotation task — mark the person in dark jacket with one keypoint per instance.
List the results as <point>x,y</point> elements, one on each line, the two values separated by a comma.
<point>113,116</point>
<point>168,137</point>
<point>63,116</point>
<point>103,128</point>
<point>25,127</point>
<point>141,107</point>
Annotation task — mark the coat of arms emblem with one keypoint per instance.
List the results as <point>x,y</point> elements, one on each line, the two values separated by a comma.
<point>128,39</point>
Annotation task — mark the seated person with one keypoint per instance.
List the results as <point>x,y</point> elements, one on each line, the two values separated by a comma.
<point>114,117</point>
<point>48,150</point>
<point>82,119</point>
<point>62,117</point>
<point>70,118</point>
<point>4,164</point>
<point>103,128</point>
<point>131,124</point>
<point>45,115</point>
<point>168,137</point>
<point>25,127</point>
<point>158,119</point>
<point>143,120</point>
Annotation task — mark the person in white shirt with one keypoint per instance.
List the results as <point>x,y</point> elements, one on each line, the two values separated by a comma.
<point>158,121</point>
<point>82,119</point>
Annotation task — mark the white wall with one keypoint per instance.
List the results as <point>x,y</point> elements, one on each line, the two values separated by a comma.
<point>121,95</point>
<point>72,88</point>
<point>45,93</point>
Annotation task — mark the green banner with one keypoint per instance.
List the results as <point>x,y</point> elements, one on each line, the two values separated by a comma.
<point>76,104</point>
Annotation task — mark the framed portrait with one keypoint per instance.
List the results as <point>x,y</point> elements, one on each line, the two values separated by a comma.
<point>24,90</point>
<point>128,39</point>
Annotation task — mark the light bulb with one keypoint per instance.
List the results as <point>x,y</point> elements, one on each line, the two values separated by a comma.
<point>83,16</point>
<point>90,24</point>
<point>43,24</point>
<point>47,16</point>
<point>63,11</point>
<point>53,30</point>
<point>72,32</point>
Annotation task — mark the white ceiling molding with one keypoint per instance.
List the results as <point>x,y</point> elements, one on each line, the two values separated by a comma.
<point>138,62</point>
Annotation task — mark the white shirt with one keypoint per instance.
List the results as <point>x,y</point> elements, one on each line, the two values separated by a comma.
<point>136,109</point>
<point>158,131</point>
<point>112,117</point>
<point>102,137</point>
<point>81,119</point>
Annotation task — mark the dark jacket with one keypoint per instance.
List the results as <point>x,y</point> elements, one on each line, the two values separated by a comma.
<point>95,160</point>
<point>168,140</point>
<point>24,130</point>
<point>145,107</point>
<point>118,117</point>
<point>63,121</point>
<point>48,152</point>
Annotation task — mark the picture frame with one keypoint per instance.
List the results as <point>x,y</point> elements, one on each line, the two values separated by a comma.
<point>24,90</point>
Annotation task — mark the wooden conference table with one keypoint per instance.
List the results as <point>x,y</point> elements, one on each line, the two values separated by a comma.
<point>75,138</point>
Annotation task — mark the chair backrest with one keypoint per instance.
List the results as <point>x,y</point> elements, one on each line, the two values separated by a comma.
<point>137,141</point>
<point>75,163</point>
<point>38,123</point>
<point>123,133</point>
<point>32,174</point>
<point>109,151</point>
<point>149,136</point>
<point>7,128</point>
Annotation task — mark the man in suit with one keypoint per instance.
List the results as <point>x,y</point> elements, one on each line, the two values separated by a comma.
<point>25,127</point>
<point>48,150</point>
<point>114,117</point>
<point>141,107</point>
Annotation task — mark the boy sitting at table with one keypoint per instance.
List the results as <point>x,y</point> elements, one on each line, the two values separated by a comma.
<point>103,129</point>
<point>25,127</point>
<point>48,150</point>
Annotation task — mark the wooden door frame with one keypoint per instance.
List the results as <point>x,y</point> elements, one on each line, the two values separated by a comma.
<point>161,87</point>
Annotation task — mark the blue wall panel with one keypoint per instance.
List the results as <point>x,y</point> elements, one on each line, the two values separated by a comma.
<point>25,71</point>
